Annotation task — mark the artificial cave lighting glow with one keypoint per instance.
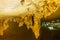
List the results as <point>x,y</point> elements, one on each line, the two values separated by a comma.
<point>8,5</point>
<point>51,28</point>
<point>7,10</point>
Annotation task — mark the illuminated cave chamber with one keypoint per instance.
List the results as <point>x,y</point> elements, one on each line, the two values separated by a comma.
<point>32,12</point>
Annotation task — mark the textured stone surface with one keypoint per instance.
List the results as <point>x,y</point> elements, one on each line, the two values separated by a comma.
<point>28,11</point>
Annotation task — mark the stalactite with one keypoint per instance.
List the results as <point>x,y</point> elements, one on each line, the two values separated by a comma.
<point>35,12</point>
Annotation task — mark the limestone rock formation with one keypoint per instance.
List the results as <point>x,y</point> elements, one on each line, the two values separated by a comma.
<point>30,11</point>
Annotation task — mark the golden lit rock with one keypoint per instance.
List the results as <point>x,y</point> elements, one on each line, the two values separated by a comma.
<point>26,9</point>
